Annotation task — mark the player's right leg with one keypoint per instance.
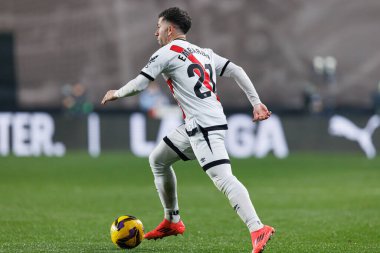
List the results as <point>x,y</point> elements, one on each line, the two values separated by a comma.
<point>212,156</point>
<point>239,199</point>
<point>172,148</point>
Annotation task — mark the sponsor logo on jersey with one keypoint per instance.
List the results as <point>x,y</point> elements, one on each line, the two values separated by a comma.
<point>152,59</point>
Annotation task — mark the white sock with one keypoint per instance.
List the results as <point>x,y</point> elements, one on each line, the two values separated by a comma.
<point>236,193</point>
<point>172,215</point>
<point>165,180</point>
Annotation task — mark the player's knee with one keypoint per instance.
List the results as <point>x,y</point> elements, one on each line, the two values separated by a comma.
<point>157,160</point>
<point>219,183</point>
<point>223,182</point>
<point>154,159</point>
<point>220,175</point>
<point>228,184</point>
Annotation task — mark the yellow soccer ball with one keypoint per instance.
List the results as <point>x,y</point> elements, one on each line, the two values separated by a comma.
<point>127,232</point>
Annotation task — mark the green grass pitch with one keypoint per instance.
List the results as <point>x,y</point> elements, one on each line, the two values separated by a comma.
<point>317,203</point>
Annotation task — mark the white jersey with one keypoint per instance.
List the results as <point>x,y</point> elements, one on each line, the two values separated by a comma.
<point>190,72</point>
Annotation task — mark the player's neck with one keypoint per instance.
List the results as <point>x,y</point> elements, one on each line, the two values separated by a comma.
<point>179,37</point>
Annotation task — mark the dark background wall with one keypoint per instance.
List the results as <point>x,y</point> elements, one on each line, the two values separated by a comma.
<point>103,44</point>
<point>8,85</point>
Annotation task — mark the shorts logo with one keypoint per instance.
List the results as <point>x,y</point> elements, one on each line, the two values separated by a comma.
<point>203,160</point>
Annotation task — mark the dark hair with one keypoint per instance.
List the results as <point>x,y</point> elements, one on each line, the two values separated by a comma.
<point>178,17</point>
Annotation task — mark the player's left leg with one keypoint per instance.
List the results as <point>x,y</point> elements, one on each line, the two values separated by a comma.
<point>161,160</point>
<point>172,148</point>
<point>165,180</point>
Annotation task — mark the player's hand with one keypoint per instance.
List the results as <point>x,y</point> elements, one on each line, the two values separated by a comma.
<point>110,96</point>
<point>260,112</point>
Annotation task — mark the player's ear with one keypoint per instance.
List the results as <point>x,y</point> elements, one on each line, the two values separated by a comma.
<point>170,29</point>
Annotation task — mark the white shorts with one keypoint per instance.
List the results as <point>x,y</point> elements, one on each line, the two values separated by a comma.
<point>204,144</point>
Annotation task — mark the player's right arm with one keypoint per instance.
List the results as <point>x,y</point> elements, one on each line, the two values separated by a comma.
<point>133,87</point>
<point>156,64</point>
<point>226,68</point>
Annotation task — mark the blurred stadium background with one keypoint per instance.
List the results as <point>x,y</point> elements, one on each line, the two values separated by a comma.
<point>316,64</point>
<point>102,44</point>
<point>307,59</point>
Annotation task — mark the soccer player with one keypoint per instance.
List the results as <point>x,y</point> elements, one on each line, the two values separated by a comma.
<point>190,72</point>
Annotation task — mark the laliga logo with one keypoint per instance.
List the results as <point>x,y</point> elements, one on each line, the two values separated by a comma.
<point>343,127</point>
<point>243,139</point>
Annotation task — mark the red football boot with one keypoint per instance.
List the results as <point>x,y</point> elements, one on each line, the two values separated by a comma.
<point>260,238</point>
<point>165,228</point>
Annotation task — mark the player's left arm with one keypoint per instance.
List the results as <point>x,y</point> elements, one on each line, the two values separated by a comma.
<point>260,111</point>
<point>224,67</point>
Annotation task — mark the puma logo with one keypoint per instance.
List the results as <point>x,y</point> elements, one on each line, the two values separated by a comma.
<point>343,127</point>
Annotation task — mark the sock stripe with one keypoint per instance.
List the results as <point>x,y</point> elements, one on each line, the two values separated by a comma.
<point>175,212</point>
<point>215,163</point>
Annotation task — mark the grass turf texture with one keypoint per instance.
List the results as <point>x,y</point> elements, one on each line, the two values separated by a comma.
<point>317,203</point>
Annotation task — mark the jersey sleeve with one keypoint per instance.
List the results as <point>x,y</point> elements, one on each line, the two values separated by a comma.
<point>156,64</point>
<point>221,64</point>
